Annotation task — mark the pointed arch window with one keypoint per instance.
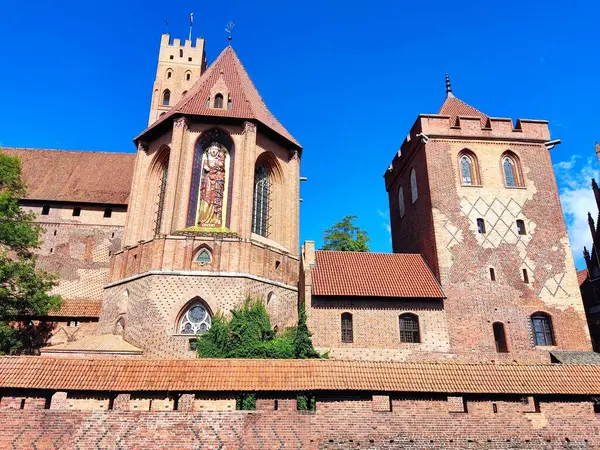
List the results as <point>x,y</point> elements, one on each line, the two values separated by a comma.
<point>195,320</point>
<point>409,329</point>
<point>219,101</point>
<point>401,208</point>
<point>511,170</point>
<point>541,326</point>
<point>260,209</point>
<point>414,192</point>
<point>203,257</point>
<point>166,97</point>
<point>347,328</point>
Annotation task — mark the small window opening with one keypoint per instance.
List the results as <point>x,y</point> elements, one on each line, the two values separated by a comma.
<point>109,253</point>
<point>229,103</point>
<point>181,53</point>
<point>525,276</point>
<point>54,232</point>
<point>22,404</point>
<point>521,227</point>
<point>203,257</point>
<point>500,337</point>
<point>481,226</point>
<point>169,73</point>
<point>51,250</point>
<point>596,405</point>
<point>73,323</point>
<point>166,97</point>
<point>76,212</point>
<point>277,264</point>
<point>170,56</point>
<point>276,405</point>
<point>188,76</point>
<point>183,95</point>
<point>192,344</point>
<point>347,329</point>
<point>207,104</point>
<point>112,235</point>
<point>492,274</point>
<point>107,212</point>
<point>495,407</point>
<point>190,59</point>
<point>270,297</point>
<point>45,210</point>
<point>219,101</point>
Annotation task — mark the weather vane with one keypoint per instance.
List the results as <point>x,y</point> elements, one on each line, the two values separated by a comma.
<point>229,28</point>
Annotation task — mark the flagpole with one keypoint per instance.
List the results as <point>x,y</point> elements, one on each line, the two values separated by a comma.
<point>191,24</point>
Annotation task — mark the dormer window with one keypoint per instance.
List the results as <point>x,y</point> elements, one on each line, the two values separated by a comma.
<point>229,103</point>
<point>219,101</point>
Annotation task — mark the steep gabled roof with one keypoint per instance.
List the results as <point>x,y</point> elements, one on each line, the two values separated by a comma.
<point>365,274</point>
<point>455,107</point>
<point>75,176</point>
<point>246,102</point>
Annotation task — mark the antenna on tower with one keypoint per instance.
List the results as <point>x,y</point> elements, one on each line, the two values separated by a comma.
<point>191,25</point>
<point>229,28</point>
<point>166,26</point>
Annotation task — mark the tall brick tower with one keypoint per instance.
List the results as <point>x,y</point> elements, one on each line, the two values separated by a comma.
<point>477,197</point>
<point>212,218</point>
<point>179,67</point>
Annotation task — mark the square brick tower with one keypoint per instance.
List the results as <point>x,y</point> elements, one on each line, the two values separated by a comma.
<point>477,197</point>
<point>213,215</point>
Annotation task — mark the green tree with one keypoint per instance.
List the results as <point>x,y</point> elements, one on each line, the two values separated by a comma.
<point>346,237</point>
<point>248,334</point>
<point>24,291</point>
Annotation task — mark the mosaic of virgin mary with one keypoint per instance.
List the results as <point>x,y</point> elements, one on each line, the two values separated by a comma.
<point>213,183</point>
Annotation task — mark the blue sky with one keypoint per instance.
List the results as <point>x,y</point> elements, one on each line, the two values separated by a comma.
<point>346,78</point>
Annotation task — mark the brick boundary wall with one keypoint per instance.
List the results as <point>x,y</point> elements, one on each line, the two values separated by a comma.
<point>343,421</point>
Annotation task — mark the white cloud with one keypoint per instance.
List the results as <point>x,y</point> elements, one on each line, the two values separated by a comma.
<point>577,199</point>
<point>386,223</point>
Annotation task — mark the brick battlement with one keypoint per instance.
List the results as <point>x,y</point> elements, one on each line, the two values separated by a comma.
<point>165,41</point>
<point>470,128</point>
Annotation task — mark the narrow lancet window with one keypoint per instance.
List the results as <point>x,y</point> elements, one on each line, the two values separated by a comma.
<point>260,210</point>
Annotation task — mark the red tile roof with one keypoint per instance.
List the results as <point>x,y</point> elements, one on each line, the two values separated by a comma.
<point>76,176</point>
<point>455,107</point>
<point>246,101</point>
<point>373,275</point>
<point>78,308</point>
<point>115,374</point>
<point>582,276</point>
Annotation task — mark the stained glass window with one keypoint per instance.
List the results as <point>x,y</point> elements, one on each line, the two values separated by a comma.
<point>409,328</point>
<point>347,331</point>
<point>203,256</point>
<point>466,170</point>
<point>542,329</point>
<point>196,320</point>
<point>509,172</point>
<point>260,210</point>
<point>401,201</point>
<point>413,185</point>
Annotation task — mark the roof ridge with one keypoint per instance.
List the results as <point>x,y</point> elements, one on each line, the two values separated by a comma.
<point>104,152</point>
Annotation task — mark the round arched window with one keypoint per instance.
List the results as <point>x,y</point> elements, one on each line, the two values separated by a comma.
<point>195,320</point>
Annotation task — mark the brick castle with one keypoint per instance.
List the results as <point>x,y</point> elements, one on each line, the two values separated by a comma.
<point>471,333</point>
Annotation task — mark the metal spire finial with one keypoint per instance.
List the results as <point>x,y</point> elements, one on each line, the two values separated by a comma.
<point>448,87</point>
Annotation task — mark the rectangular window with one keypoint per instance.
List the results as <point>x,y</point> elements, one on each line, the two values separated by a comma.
<point>525,276</point>
<point>76,212</point>
<point>347,332</point>
<point>521,227</point>
<point>481,225</point>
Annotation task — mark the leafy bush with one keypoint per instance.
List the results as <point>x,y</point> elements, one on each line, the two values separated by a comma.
<point>248,334</point>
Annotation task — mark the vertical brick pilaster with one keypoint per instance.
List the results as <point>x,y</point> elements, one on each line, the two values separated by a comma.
<point>121,402</point>
<point>59,400</point>
<point>381,403</point>
<point>180,130</point>
<point>186,402</point>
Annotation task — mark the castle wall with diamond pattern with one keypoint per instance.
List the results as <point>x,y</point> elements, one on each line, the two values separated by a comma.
<point>463,256</point>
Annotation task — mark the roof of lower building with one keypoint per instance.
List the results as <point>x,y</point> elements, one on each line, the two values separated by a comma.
<point>133,374</point>
<point>582,276</point>
<point>246,102</point>
<point>366,274</point>
<point>75,176</point>
<point>104,344</point>
<point>72,307</point>
<point>571,357</point>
